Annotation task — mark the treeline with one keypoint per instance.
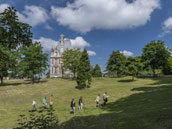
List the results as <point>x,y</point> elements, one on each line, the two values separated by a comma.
<point>19,56</point>
<point>155,56</point>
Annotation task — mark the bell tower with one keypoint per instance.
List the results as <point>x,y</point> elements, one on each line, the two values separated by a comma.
<point>61,43</point>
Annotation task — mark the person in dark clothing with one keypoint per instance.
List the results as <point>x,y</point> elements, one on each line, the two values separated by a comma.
<point>80,103</point>
<point>72,106</point>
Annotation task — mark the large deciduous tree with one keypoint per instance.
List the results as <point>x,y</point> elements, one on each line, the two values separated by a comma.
<point>155,54</point>
<point>13,35</point>
<point>33,61</point>
<point>71,60</point>
<point>134,66</point>
<point>116,63</point>
<point>84,71</point>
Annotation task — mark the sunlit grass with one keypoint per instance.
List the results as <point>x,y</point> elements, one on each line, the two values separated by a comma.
<point>126,100</point>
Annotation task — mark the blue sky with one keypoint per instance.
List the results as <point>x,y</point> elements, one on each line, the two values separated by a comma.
<point>100,26</point>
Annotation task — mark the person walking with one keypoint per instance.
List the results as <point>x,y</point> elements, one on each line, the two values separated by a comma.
<point>44,102</point>
<point>51,101</point>
<point>97,101</point>
<point>105,98</point>
<point>34,105</point>
<point>72,106</point>
<point>80,103</point>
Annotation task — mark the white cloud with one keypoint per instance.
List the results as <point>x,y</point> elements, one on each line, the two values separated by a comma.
<point>33,15</point>
<point>79,42</point>
<point>3,7</point>
<point>166,27</point>
<point>127,53</point>
<point>91,53</point>
<point>85,15</point>
<point>47,43</point>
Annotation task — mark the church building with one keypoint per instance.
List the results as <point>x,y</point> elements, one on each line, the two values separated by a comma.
<point>56,59</point>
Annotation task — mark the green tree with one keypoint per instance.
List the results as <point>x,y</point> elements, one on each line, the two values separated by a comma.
<point>4,63</point>
<point>14,33</point>
<point>116,63</point>
<point>33,61</point>
<point>71,60</point>
<point>133,65</point>
<point>39,119</point>
<point>96,72</point>
<point>155,55</point>
<point>167,69</point>
<point>13,36</point>
<point>84,71</point>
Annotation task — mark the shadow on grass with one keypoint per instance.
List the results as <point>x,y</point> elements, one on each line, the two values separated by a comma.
<point>162,80</point>
<point>159,80</point>
<point>151,109</point>
<point>128,80</point>
<point>23,82</point>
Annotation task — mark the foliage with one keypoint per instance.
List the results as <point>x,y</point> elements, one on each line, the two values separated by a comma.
<point>71,59</point>
<point>48,74</point>
<point>134,66</point>
<point>167,69</point>
<point>13,36</point>
<point>33,61</point>
<point>96,72</point>
<point>41,119</point>
<point>155,55</point>
<point>84,71</point>
<point>116,63</point>
<point>14,33</point>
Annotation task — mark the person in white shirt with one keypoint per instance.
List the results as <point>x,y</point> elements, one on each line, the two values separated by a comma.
<point>105,98</point>
<point>34,105</point>
<point>98,101</point>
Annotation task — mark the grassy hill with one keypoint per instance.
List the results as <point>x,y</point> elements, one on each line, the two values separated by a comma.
<point>142,104</point>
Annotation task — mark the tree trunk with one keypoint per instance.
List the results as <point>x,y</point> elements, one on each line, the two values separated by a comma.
<point>117,75</point>
<point>153,70</point>
<point>74,74</point>
<point>62,73</point>
<point>33,80</point>
<point>39,78</point>
<point>1,81</point>
<point>132,77</point>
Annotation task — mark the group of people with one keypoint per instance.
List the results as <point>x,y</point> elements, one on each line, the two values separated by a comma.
<point>72,105</point>
<point>105,99</point>
<point>80,102</point>
<point>44,103</point>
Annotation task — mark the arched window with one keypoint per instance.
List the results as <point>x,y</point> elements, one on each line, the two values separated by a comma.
<point>56,70</point>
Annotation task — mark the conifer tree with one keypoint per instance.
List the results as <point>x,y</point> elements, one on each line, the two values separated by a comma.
<point>97,71</point>
<point>84,71</point>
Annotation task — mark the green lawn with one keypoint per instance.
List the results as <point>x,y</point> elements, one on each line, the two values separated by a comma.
<point>142,104</point>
